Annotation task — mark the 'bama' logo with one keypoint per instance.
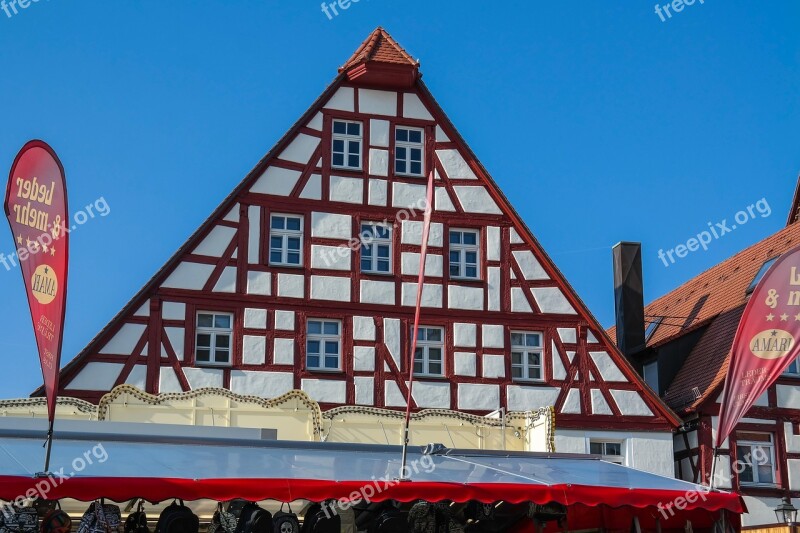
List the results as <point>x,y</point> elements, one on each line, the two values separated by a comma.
<point>771,344</point>
<point>44,284</point>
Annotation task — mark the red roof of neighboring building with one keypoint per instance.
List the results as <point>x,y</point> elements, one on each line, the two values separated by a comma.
<point>381,48</point>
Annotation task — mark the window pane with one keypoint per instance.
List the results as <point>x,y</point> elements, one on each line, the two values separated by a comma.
<point>532,340</point>
<point>312,347</point>
<point>382,232</point>
<point>293,224</point>
<point>338,145</point>
<point>455,271</point>
<point>366,263</point>
<point>455,238</point>
<point>401,152</point>
<point>516,358</point>
<point>535,373</point>
<point>401,134</point>
<point>223,341</point>
<point>516,372</point>
<point>276,243</point>
<point>339,127</point>
<point>415,136</point>
<point>331,348</point>
<point>471,272</point>
<point>455,257</point>
<point>435,334</point>
<point>275,257</point>
<point>434,354</point>
<point>293,258</point>
<point>596,448</point>
<point>338,160</point>
<point>203,355</point>
<point>313,361</point>
<point>533,359</point>
<point>472,257</point>
<point>222,356</point>
<point>222,321</point>
<point>516,339</point>
<point>354,128</point>
<point>613,448</point>
<point>383,251</point>
<point>416,168</point>
<point>418,354</point>
<point>332,361</point>
<point>353,161</point>
<point>278,223</point>
<point>204,340</point>
<point>205,321</point>
<point>435,368</point>
<point>383,266</point>
<point>765,474</point>
<point>331,328</point>
<point>400,166</point>
<point>353,147</point>
<point>293,243</point>
<point>470,238</point>
<point>314,327</point>
<point>417,367</point>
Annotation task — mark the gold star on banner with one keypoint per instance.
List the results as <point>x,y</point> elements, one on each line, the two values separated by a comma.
<point>770,317</point>
<point>784,317</point>
<point>53,252</point>
<point>19,239</point>
<point>44,247</point>
<point>797,317</point>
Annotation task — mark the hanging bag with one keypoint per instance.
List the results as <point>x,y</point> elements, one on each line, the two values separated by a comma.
<point>15,519</point>
<point>100,517</point>
<point>177,518</point>
<point>56,521</point>
<point>222,521</point>
<point>286,522</point>
<point>137,521</point>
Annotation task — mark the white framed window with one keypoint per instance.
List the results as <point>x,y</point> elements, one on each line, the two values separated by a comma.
<point>526,356</point>
<point>213,333</point>
<point>323,344</point>
<point>285,240</point>
<point>429,355</point>
<point>610,450</point>
<point>793,369</point>
<point>409,150</point>
<point>755,455</point>
<point>346,145</point>
<point>464,253</point>
<point>376,248</point>
<point>650,374</point>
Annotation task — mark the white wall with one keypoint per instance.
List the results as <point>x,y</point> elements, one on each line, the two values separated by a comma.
<point>648,451</point>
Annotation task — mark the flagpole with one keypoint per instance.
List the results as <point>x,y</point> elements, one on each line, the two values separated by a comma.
<point>49,445</point>
<point>713,468</point>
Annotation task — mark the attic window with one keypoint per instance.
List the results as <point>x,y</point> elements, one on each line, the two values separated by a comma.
<point>763,270</point>
<point>652,326</point>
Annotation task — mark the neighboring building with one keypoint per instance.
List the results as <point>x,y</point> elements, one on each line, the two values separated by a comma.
<point>688,335</point>
<point>305,278</point>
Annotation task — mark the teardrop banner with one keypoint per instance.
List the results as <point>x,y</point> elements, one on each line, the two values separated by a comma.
<point>36,208</point>
<point>766,342</point>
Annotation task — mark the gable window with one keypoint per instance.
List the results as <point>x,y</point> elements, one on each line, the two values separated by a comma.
<point>650,374</point>
<point>408,151</point>
<point>213,338</point>
<point>285,240</point>
<point>652,326</point>
<point>755,453</point>
<point>464,252</point>
<point>611,451</point>
<point>428,360</point>
<point>526,356</point>
<point>346,149</point>
<point>324,345</point>
<point>376,248</point>
<point>760,274</point>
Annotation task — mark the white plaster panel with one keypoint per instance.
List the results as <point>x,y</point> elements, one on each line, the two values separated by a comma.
<point>552,300</point>
<point>125,340</point>
<point>347,190</point>
<point>255,318</point>
<point>276,181</point>
<point>188,275</point>
<point>300,149</point>
<point>144,310</point>
<point>441,136</point>
<point>176,338</point>
<point>261,384</point>
<point>216,242</point>
<point>431,394</point>
<point>572,404</point>
<point>378,192</point>
<point>607,367</point>
<point>493,337</point>
<point>476,199</point>
<point>465,334</point>
<point>377,292</point>
<point>568,335</point>
<point>431,295</point>
<point>529,265</point>
<point>365,390</point>
<point>630,403</point>
<point>414,108</point>
<point>392,395</point>
<point>522,398</point>
<point>283,351</point>
<point>515,238</point>
<point>408,195</point>
<point>259,283</point>
<point>494,366</point>
<point>412,233</point>
<point>331,225</point>
<point>96,377</point>
<point>254,349</point>
<point>477,397</point>
<point>284,320</point>
<point>374,102</point>
<point>391,338</point>
<point>461,297</point>
<point>363,328</point>
<point>167,380</point>
<point>226,281</point>
<point>313,188</point>
<point>316,122</point>
<point>434,264</point>
<point>794,474</point>
<point>291,285</point>
<point>204,378</point>
<point>137,377</point>
<point>254,234</point>
<point>343,99</point>
<point>788,396</point>
<point>455,166</point>
<point>330,257</point>
<point>378,162</point>
<point>760,511</point>
<point>325,390</point>
<point>442,200</point>
<point>233,214</point>
<point>590,338</point>
<point>332,288</point>
<point>519,304</point>
<point>379,133</point>
<point>559,372</point>
<point>599,404</point>
<point>364,359</point>
<point>493,286</point>
<point>173,311</point>
<point>493,243</point>
<point>465,364</point>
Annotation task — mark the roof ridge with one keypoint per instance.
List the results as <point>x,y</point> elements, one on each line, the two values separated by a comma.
<point>373,49</point>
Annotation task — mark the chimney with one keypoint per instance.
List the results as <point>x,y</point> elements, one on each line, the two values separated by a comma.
<point>629,297</point>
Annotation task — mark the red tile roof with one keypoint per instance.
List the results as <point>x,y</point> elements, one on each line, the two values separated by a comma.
<point>380,48</point>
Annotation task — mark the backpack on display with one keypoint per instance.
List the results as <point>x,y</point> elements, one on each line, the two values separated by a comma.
<point>285,522</point>
<point>222,521</point>
<point>100,518</point>
<point>177,518</point>
<point>56,521</point>
<point>19,520</point>
<point>253,519</point>
<point>137,521</point>
<point>321,520</point>
<point>391,520</point>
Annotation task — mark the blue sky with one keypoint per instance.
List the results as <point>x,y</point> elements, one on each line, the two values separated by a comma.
<point>599,121</point>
